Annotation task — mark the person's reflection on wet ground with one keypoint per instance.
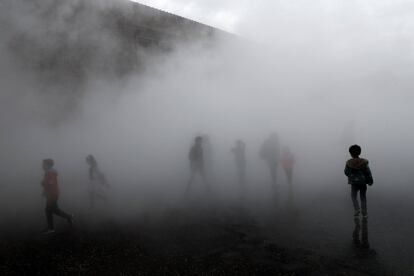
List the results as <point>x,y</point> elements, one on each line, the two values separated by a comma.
<point>360,236</point>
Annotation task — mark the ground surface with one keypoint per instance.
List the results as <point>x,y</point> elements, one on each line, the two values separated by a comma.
<point>225,240</point>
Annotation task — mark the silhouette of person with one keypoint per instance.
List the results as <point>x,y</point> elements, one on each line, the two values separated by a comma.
<point>239,152</point>
<point>288,161</point>
<point>359,175</point>
<point>208,156</point>
<point>97,181</point>
<point>269,152</point>
<point>51,192</point>
<point>196,163</point>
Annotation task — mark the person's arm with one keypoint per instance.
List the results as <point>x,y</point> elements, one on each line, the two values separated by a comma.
<point>347,170</point>
<point>368,176</point>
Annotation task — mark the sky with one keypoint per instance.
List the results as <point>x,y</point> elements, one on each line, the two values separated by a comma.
<point>390,17</point>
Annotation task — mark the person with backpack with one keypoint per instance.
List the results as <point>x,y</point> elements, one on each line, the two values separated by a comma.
<point>359,175</point>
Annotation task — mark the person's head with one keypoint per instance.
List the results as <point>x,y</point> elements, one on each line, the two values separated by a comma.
<point>90,159</point>
<point>355,151</point>
<point>47,164</point>
<point>240,143</point>
<point>198,140</point>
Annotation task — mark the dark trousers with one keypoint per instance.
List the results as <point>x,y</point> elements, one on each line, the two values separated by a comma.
<point>51,209</point>
<point>362,189</point>
<point>197,169</point>
<point>289,174</point>
<point>273,174</point>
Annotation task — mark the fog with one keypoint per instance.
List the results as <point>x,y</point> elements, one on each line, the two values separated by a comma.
<point>322,76</point>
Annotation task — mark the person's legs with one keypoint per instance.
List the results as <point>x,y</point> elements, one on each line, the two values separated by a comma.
<point>273,175</point>
<point>354,193</point>
<point>289,175</point>
<point>190,181</point>
<point>49,215</point>
<point>363,196</point>
<point>202,172</point>
<point>290,188</point>
<point>60,213</point>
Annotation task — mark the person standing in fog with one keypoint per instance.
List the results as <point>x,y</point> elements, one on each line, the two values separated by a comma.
<point>208,156</point>
<point>97,181</point>
<point>359,175</point>
<point>269,152</point>
<point>288,161</point>
<point>239,152</point>
<point>51,192</point>
<point>196,163</point>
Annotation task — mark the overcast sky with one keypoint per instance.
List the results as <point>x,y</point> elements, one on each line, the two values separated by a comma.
<point>245,17</point>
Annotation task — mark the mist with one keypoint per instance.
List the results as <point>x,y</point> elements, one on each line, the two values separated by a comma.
<point>322,75</point>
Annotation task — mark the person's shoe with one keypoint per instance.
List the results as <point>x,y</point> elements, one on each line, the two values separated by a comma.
<point>357,213</point>
<point>48,231</point>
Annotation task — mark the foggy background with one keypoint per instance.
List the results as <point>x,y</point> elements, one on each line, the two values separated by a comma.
<point>321,74</point>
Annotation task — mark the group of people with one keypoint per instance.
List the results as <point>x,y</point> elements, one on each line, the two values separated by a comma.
<point>356,169</point>
<point>270,153</point>
<point>96,185</point>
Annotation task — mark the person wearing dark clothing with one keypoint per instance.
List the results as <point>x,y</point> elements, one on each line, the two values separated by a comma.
<point>196,162</point>
<point>269,152</point>
<point>51,192</point>
<point>97,181</point>
<point>359,175</point>
<point>239,152</point>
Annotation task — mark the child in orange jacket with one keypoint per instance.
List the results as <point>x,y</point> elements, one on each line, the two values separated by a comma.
<point>51,192</point>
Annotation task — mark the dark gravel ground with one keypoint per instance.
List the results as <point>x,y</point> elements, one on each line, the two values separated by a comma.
<point>176,243</point>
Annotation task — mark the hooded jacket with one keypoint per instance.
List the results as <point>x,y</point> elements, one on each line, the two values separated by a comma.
<point>358,172</point>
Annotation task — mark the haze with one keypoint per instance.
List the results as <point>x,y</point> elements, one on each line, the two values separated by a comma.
<point>321,74</point>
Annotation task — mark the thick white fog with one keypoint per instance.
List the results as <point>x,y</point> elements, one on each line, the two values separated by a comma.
<point>322,76</point>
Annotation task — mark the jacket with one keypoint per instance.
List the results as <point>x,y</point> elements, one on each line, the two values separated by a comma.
<point>358,172</point>
<point>50,185</point>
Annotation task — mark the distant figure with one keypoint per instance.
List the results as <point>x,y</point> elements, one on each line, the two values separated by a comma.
<point>196,162</point>
<point>359,175</point>
<point>269,152</point>
<point>97,181</point>
<point>208,156</point>
<point>288,161</point>
<point>51,192</point>
<point>239,152</point>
